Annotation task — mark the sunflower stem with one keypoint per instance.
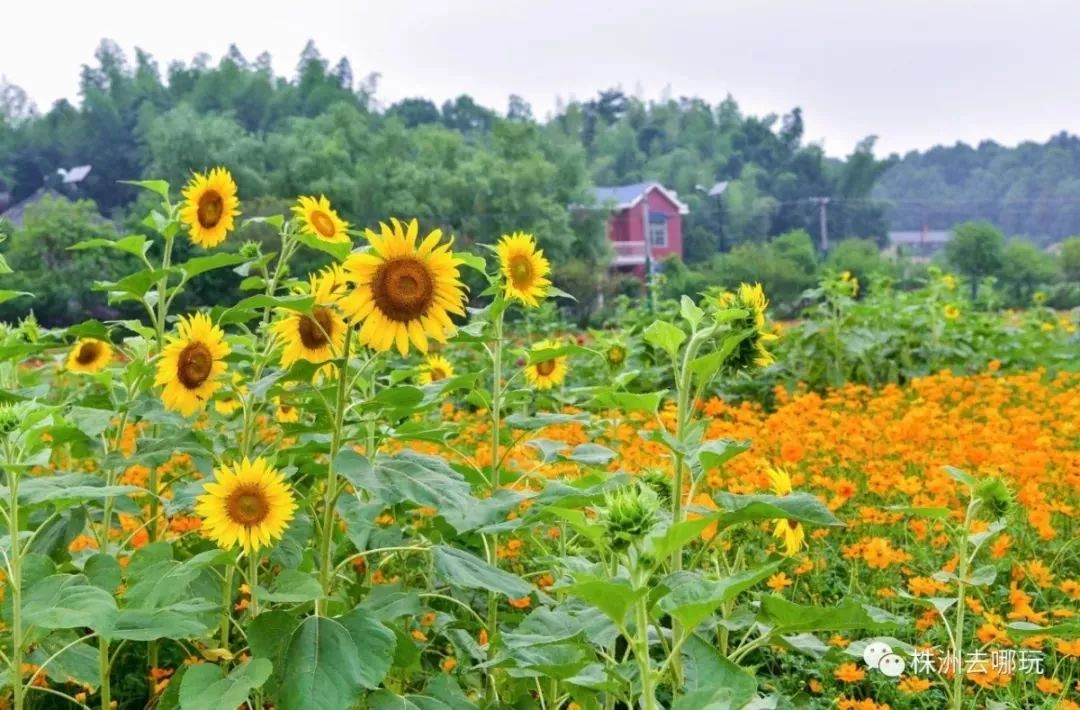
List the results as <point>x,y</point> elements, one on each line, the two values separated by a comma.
<point>226,605</point>
<point>253,581</point>
<point>496,429</point>
<point>15,567</point>
<point>326,569</point>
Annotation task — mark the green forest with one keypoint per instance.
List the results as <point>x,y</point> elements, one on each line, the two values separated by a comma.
<point>480,172</point>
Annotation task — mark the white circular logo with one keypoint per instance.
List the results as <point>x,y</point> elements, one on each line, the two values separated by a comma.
<point>874,652</point>
<point>892,665</point>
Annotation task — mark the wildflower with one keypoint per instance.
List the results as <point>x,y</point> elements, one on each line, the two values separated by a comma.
<point>778,582</point>
<point>913,685</point>
<point>952,312</point>
<point>210,207</point>
<point>89,356</point>
<point>402,292</point>
<point>1069,649</point>
<point>191,364</point>
<point>849,673</point>
<point>522,603</point>
<point>318,219</point>
<point>247,504</point>
<point>524,268</point>
<point>449,664</point>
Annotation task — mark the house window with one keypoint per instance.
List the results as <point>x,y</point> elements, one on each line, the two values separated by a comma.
<point>658,233</point>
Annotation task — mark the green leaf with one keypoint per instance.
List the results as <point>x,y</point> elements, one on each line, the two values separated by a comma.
<point>983,576</point>
<point>159,187</point>
<point>206,687</point>
<point>803,507</point>
<point>78,663</point>
<point>374,643</point>
<point>6,295</point>
<point>629,402</point>
<point>134,285</point>
<point>104,572</point>
<point>614,597</point>
<point>322,667</point>
<point>338,250</point>
<point>292,587</point>
<point>268,637</point>
<point>473,261</point>
<point>690,311</point>
<point>134,244</point>
<point>787,616</point>
<point>68,487</point>
<point>962,476</point>
<point>202,264</point>
<point>91,422</point>
<point>275,220</point>
<point>712,680</point>
<point>176,621</point>
<point>716,452</point>
<point>411,477</point>
<point>466,570</point>
<point>591,454</point>
<point>665,336</point>
<point>65,601</point>
<point>693,598</point>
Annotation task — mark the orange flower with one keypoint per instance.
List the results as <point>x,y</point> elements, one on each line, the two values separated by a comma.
<point>849,673</point>
<point>1069,649</point>
<point>913,685</point>
<point>778,582</point>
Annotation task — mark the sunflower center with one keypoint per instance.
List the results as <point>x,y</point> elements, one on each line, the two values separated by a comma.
<point>322,224</point>
<point>521,270</point>
<point>793,524</point>
<point>546,367</point>
<point>247,506</point>
<point>88,353</point>
<point>437,373</point>
<point>616,354</point>
<point>403,289</point>
<point>316,329</point>
<point>210,209</point>
<point>194,365</point>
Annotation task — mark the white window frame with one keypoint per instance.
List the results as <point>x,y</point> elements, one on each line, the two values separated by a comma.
<point>658,225</point>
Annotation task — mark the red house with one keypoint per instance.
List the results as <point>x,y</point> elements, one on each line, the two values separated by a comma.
<point>645,224</point>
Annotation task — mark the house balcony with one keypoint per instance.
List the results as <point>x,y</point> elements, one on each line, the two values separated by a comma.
<point>629,253</point>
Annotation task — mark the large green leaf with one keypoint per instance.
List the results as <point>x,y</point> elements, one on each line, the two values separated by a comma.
<point>66,601</point>
<point>180,620</point>
<point>322,667</point>
<point>712,681</point>
<point>134,244</point>
<point>466,570</point>
<point>803,507</point>
<point>614,597</point>
<point>80,487</point>
<point>665,336</point>
<point>291,587</point>
<point>693,598</point>
<point>374,642</point>
<point>206,687</point>
<point>201,264</point>
<point>787,617</point>
<point>411,477</point>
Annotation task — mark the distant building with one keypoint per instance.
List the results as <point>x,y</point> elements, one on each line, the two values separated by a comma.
<point>645,223</point>
<point>16,212</point>
<point>920,245</point>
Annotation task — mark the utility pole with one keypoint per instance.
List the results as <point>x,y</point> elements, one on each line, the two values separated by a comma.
<point>823,221</point>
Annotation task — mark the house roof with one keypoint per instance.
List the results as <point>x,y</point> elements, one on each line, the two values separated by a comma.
<point>626,196</point>
<point>920,237</point>
<point>14,214</point>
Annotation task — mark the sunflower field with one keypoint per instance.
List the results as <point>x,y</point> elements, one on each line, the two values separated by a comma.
<point>403,481</point>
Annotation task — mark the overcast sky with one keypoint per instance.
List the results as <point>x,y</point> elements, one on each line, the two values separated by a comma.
<point>913,72</point>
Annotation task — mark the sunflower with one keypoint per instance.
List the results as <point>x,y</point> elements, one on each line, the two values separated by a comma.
<point>318,219</point>
<point>952,312</point>
<point>548,373</point>
<point>752,349</point>
<point>210,204</point>
<point>615,355</point>
<point>791,532</point>
<point>317,337</point>
<point>401,292</point>
<point>435,368</point>
<point>524,268</point>
<point>191,364</point>
<point>89,356</point>
<point>247,504</point>
<point>285,413</point>
<point>230,401</point>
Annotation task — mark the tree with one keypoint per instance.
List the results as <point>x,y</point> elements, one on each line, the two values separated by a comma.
<point>1070,259</point>
<point>976,250</point>
<point>1026,268</point>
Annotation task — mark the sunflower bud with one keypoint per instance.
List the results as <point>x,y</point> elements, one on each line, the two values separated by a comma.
<point>660,484</point>
<point>251,250</point>
<point>629,514</point>
<point>995,496</point>
<point>9,419</point>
